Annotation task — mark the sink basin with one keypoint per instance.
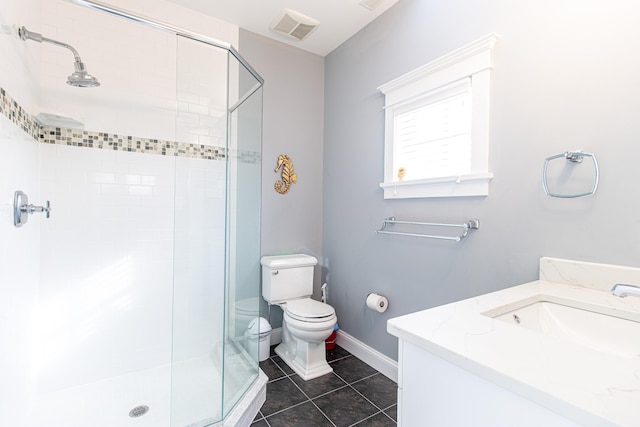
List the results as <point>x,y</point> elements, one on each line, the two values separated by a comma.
<point>588,325</point>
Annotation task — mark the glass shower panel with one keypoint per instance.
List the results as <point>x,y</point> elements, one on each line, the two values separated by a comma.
<point>243,228</point>
<point>199,259</point>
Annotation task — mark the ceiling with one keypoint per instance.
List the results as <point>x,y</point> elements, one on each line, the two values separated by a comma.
<point>339,19</point>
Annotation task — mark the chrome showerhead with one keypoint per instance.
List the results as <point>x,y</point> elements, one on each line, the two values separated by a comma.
<point>80,77</point>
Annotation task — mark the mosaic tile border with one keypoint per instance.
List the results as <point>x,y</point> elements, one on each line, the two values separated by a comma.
<point>18,115</point>
<point>111,141</point>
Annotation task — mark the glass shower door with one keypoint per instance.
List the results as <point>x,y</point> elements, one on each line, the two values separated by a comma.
<point>199,251</point>
<point>243,233</point>
<point>217,234</point>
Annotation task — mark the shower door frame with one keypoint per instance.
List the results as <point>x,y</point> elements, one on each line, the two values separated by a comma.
<point>172,29</point>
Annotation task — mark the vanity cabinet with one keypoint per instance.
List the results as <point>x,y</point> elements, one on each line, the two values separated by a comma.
<point>435,392</point>
<point>559,351</point>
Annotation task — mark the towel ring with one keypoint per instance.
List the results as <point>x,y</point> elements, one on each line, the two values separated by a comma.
<point>571,157</point>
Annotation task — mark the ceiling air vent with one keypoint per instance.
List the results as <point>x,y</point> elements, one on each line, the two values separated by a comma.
<point>370,4</point>
<point>294,24</point>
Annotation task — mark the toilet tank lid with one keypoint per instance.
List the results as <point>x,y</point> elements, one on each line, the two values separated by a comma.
<point>288,261</point>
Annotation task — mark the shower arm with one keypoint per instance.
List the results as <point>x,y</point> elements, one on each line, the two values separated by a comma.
<point>30,35</point>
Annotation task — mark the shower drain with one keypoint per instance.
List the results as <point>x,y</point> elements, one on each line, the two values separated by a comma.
<point>138,411</point>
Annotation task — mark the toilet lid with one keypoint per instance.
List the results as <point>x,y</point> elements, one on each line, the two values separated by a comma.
<point>309,309</point>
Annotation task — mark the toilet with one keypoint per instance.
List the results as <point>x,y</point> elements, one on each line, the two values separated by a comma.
<point>287,281</point>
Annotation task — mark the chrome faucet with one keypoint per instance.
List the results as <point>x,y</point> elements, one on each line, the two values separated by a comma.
<point>622,290</point>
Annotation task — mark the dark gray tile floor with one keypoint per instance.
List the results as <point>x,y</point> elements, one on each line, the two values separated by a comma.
<point>355,394</point>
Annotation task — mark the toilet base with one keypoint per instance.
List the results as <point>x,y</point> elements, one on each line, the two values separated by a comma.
<point>308,363</point>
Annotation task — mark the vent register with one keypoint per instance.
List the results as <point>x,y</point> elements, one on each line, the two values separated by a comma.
<point>294,24</point>
<point>299,26</point>
<point>371,4</point>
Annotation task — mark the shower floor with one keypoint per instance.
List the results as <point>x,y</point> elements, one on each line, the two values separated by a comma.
<point>106,403</point>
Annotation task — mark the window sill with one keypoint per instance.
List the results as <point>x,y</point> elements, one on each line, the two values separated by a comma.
<point>451,186</point>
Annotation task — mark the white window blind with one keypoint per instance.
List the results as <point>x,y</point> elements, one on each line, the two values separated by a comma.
<point>437,126</point>
<point>432,134</point>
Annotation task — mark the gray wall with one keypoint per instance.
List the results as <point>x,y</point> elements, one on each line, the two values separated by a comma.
<point>292,125</point>
<point>565,79</point>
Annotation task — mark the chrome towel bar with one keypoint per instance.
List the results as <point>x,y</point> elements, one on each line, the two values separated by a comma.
<point>472,224</point>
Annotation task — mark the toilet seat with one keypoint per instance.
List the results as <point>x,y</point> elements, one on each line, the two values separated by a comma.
<point>308,310</point>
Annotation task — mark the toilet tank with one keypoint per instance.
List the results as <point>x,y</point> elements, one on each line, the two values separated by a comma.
<point>286,277</point>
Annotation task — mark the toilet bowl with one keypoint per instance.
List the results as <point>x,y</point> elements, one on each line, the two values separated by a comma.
<point>306,325</point>
<point>287,281</point>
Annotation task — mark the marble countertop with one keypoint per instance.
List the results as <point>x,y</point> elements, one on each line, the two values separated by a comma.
<point>590,386</point>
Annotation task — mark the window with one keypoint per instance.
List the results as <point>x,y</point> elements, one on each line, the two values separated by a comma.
<point>437,126</point>
<point>432,137</point>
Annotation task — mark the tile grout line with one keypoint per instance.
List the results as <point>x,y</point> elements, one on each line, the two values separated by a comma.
<point>340,358</point>
<point>281,370</point>
<point>314,403</point>
<point>371,416</point>
<point>298,404</point>
<point>285,409</point>
<point>365,398</point>
<point>390,406</point>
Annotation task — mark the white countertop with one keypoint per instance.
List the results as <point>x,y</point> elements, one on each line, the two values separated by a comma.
<point>591,387</point>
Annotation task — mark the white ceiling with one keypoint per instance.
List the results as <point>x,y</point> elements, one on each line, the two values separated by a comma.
<point>339,19</point>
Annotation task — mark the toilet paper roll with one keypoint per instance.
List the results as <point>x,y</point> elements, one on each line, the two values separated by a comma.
<point>377,302</point>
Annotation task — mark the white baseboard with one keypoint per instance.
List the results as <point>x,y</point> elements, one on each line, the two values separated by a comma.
<point>372,357</point>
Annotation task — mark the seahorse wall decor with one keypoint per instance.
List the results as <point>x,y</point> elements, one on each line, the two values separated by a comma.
<point>288,176</point>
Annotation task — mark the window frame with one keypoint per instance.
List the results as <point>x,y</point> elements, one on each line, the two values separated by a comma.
<point>472,61</point>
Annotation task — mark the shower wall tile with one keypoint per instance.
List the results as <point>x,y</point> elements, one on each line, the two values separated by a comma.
<point>202,94</point>
<point>107,255</point>
<point>19,62</point>
<point>19,272</point>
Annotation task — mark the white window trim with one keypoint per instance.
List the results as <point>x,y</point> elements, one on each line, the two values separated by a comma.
<point>473,60</point>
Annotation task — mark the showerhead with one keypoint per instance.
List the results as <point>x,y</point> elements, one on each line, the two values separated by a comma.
<point>80,77</point>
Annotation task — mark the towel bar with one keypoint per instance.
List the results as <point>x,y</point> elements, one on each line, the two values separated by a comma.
<point>472,224</point>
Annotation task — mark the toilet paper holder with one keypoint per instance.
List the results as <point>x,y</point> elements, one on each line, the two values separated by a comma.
<point>377,302</point>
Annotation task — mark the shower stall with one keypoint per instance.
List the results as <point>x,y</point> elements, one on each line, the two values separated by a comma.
<point>129,304</point>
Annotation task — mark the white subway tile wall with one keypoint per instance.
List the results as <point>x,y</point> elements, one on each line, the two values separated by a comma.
<point>19,275</point>
<point>106,265</point>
